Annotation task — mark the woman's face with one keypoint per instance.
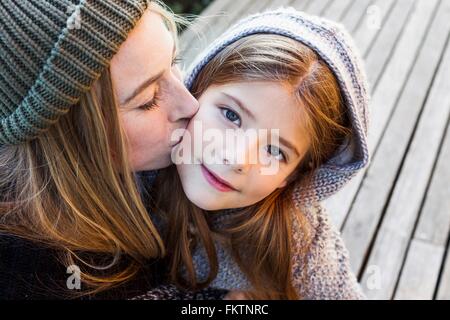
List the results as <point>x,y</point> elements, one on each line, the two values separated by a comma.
<point>153,100</point>
<point>252,107</point>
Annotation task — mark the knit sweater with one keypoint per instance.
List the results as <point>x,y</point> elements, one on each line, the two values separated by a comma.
<point>326,269</point>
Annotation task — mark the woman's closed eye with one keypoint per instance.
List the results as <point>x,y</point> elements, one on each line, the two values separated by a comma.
<point>231,116</point>
<point>275,152</point>
<point>152,104</point>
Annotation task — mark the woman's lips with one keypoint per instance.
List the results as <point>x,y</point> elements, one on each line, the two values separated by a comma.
<point>178,142</point>
<point>216,181</point>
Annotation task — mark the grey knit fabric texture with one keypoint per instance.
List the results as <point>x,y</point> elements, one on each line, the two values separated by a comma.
<point>325,274</point>
<point>327,270</point>
<point>51,51</point>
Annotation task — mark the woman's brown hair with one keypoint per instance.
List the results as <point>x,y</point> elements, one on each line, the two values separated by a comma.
<point>259,236</point>
<point>72,189</point>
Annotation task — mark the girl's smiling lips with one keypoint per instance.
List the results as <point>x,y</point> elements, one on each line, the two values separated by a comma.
<point>216,181</point>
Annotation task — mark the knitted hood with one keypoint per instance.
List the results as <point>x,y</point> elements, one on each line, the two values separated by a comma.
<point>334,46</point>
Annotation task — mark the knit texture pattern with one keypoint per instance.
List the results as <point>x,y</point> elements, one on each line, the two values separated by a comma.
<point>324,274</point>
<point>326,270</point>
<point>171,292</point>
<point>51,51</point>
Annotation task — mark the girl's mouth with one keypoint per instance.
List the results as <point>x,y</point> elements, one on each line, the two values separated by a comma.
<point>216,181</point>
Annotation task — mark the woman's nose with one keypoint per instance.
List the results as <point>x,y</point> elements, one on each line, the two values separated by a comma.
<point>184,105</point>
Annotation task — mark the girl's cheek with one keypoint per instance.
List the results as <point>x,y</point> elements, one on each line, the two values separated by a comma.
<point>207,118</point>
<point>256,194</point>
<point>267,184</point>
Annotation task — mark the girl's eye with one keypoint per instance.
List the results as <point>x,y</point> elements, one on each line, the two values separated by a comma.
<point>231,116</point>
<point>276,152</point>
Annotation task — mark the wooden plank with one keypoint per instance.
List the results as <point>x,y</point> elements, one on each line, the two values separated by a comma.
<point>316,7</point>
<point>443,292</point>
<point>254,7</point>
<point>353,16</point>
<point>434,222</point>
<point>212,30</point>
<point>336,9</point>
<point>275,4</point>
<point>259,6</point>
<point>420,274</point>
<point>366,34</point>
<point>300,4</point>
<point>216,20</point>
<point>421,271</point>
<point>387,38</point>
<point>384,98</point>
<point>263,5</point>
<point>392,239</point>
<point>201,23</point>
<point>369,203</point>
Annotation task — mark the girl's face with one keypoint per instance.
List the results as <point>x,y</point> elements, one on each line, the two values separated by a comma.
<point>250,106</point>
<point>153,100</point>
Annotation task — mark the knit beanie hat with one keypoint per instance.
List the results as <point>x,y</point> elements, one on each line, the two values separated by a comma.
<point>333,45</point>
<point>51,51</point>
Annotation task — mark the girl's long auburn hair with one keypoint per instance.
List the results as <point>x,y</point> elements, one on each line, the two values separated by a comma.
<point>259,236</point>
<point>72,189</point>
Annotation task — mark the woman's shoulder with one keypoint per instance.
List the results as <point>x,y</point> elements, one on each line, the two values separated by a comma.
<point>31,270</point>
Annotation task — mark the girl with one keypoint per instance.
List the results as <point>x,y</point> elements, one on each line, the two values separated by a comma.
<point>268,235</point>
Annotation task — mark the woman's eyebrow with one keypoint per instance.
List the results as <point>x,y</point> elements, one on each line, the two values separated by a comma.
<point>142,86</point>
<point>148,82</point>
<point>240,105</point>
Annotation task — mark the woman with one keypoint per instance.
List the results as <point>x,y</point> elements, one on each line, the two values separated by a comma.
<point>77,80</point>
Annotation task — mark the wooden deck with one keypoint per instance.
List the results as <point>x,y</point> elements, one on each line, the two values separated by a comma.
<point>394,216</point>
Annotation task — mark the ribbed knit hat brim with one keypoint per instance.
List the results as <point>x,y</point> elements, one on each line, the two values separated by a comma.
<point>51,52</point>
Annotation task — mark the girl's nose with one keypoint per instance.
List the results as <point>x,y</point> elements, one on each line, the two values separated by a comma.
<point>240,159</point>
<point>236,165</point>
